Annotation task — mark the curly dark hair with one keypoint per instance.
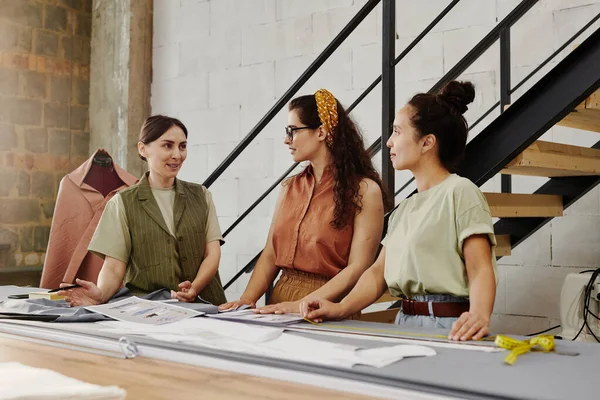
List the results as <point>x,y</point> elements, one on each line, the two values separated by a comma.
<point>351,161</point>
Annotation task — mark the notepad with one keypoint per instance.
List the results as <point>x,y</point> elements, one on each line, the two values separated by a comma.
<point>45,295</point>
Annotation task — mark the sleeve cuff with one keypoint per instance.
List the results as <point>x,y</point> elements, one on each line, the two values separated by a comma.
<point>478,229</point>
<point>104,254</point>
<point>215,238</point>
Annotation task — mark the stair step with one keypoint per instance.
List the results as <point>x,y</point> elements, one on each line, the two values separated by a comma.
<point>503,246</point>
<point>555,160</point>
<point>509,205</point>
<point>585,116</point>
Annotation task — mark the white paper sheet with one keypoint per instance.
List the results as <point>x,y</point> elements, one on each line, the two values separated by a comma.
<point>251,316</point>
<point>300,349</point>
<point>141,311</point>
<point>16,383</point>
<point>200,327</point>
<point>266,341</point>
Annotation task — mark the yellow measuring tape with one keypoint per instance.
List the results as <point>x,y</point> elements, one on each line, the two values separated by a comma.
<point>519,347</point>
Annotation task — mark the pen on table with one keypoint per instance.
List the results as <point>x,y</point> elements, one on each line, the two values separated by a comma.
<point>26,295</point>
<point>64,288</point>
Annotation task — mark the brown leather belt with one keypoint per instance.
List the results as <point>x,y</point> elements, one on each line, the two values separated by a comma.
<point>440,309</point>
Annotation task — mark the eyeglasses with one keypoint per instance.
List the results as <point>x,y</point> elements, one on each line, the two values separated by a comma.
<point>289,131</point>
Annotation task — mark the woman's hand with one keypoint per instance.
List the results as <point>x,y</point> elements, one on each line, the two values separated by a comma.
<point>234,305</point>
<point>187,293</point>
<point>287,307</point>
<point>87,295</point>
<point>319,310</point>
<point>469,326</point>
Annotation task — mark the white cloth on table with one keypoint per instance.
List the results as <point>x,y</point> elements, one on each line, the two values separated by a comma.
<point>19,382</point>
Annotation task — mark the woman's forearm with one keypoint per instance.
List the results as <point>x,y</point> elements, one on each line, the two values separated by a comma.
<point>263,275</point>
<point>368,289</point>
<point>111,277</point>
<point>482,292</point>
<point>206,272</point>
<point>339,285</point>
<point>481,276</point>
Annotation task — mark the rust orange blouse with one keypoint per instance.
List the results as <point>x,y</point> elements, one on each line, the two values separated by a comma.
<point>303,237</point>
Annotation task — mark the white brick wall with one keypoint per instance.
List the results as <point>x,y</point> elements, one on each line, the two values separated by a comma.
<point>210,53</point>
<point>242,85</point>
<point>287,9</point>
<point>327,24</point>
<point>220,65</point>
<point>425,61</point>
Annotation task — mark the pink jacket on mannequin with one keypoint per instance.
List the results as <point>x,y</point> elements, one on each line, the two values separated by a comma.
<point>82,196</point>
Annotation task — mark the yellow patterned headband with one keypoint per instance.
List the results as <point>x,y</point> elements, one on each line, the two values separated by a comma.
<point>327,109</point>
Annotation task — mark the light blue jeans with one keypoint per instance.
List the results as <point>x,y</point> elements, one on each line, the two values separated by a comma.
<point>427,321</point>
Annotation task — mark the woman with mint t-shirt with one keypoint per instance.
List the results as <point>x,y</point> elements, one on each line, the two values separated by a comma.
<point>439,248</point>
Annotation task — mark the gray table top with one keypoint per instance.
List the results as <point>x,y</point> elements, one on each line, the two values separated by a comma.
<point>456,372</point>
<point>535,375</point>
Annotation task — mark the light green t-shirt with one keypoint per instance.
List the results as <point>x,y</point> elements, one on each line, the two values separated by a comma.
<point>112,232</point>
<point>425,236</point>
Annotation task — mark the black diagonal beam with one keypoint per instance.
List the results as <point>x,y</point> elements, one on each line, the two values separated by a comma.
<point>479,48</point>
<point>287,96</point>
<point>546,103</point>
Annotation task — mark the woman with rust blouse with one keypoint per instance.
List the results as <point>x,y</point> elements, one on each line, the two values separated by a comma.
<point>328,219</point>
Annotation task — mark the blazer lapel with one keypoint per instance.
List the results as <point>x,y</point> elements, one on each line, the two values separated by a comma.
<point>180,203</point>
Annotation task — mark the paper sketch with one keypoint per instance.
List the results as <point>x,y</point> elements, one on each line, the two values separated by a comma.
<point>134,309</point>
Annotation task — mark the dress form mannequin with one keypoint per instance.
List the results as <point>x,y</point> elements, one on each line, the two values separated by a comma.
<point>102,175</point>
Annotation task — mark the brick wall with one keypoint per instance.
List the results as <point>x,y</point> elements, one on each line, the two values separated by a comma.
<point>44,95</point>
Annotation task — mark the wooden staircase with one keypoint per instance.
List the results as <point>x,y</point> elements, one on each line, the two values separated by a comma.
<point>551,160</point>
<point>585,116</point>
<point>543,159</point>
<point>554,160</point>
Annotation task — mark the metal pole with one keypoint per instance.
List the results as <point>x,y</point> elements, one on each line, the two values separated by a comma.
<point>388,89</point>
<point>506,180</point>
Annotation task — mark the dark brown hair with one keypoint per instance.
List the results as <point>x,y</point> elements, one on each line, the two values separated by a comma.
<point>351,161</point>
<point>155,126</point>
<point>441,115</point>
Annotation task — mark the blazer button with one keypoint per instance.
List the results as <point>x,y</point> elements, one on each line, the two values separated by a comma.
<point>180,238</point>
<point>184,259</point>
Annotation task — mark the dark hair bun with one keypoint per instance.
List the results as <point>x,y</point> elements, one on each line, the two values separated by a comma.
<point>458,95</point>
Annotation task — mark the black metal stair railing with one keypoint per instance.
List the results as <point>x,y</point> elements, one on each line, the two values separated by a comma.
<point>546,103</point>
<point>374,148</point>
<point>521,83</point>
<point>499,32</point>
<point>287,96</point>
<point>458,69</point>
<point>541,107</point>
